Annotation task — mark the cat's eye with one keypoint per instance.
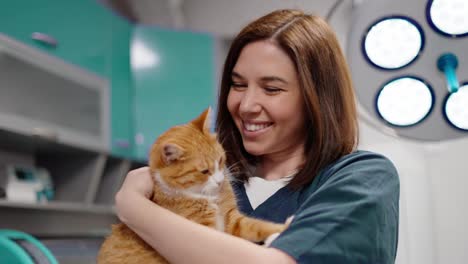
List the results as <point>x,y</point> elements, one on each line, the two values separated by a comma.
<point>205,171</point>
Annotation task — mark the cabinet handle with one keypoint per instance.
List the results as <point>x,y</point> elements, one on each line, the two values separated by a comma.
<point>122,143</point>
<point>45,39</point>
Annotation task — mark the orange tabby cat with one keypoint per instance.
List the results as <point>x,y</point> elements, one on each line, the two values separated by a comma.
<point>187,163</point>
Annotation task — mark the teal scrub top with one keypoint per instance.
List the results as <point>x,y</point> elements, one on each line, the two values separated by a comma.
<point>348,214</point>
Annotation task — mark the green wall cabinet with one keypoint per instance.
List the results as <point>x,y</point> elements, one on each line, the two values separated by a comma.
<point>88,35</point>
<point>144,100</point>
<point>174,81</point>
<point>81,29</point>
<point>158,78</point>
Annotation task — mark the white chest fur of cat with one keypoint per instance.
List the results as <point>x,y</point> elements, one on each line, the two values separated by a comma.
<point>208,191</point>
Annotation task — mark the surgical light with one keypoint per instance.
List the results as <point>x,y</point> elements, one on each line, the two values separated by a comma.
<point>456,110</point>
<point>404,101</point>
<point>449,17</point>
<point>392,43</point>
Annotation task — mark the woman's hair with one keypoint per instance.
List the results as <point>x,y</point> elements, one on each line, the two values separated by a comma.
<point>325,83</point>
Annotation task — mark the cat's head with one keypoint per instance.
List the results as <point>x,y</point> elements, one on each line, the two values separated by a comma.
<point>189,157</point>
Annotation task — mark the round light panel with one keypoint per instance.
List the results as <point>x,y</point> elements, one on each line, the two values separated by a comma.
<point>393,42</point>
<point>456,110</point>
<point>449,17</point>
<point>404,101</point>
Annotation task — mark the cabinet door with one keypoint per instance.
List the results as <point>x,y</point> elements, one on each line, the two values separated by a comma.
<point>81,29</point>
<point>174,81</point>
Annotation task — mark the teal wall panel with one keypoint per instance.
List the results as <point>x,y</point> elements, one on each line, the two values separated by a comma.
<point>176,88</point>
<point>122,108</point>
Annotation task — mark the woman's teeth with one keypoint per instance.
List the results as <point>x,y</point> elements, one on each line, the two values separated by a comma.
<point>255,127</point>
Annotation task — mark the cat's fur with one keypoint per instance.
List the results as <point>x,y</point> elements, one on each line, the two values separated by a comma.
<point>187,163</point>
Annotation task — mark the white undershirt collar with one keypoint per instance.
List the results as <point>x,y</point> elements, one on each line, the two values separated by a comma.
<point>258,190</point>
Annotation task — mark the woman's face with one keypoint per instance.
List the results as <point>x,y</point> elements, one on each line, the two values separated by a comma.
<point>265,101</point>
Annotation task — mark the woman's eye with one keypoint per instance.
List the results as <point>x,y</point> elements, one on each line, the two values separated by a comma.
<point>238,85</point>
<point>205,171</point>
<point>272,90</point>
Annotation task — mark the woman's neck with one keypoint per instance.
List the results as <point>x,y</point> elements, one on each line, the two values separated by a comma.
<point>279,165</point>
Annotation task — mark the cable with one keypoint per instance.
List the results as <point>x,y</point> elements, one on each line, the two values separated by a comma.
<point>333,9</point>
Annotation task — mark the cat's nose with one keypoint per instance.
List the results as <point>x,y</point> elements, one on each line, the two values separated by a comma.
<point>218,177</point>
<point>218,181</point>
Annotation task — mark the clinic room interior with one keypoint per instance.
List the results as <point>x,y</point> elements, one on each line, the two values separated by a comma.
<point>87,86</point>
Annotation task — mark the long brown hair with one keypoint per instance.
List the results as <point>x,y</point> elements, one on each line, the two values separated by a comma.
<point>326,86</point>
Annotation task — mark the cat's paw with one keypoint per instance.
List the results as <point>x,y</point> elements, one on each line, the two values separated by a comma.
<point>273,236</point>
<point>289,220</point>
<point>270,239</point>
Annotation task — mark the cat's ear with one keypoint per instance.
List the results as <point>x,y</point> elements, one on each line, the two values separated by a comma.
<point>171,152</point>
<point>203,121</point>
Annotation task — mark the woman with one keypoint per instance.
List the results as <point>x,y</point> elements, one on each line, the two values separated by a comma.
<point>286,98</point>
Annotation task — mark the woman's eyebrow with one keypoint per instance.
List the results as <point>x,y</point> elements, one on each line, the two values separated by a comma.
<point>263,79</point>
<point>236,75</point>
<point>272,79</point>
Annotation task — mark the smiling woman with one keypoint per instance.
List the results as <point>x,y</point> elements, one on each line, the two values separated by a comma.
<point>266,104</point>
<point>287,121</point>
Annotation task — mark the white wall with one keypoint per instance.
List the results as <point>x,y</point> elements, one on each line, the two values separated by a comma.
<point>448,177</point>
<point>434,204</point>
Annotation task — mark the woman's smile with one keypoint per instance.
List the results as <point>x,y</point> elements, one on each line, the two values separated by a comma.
<point>254,129</point>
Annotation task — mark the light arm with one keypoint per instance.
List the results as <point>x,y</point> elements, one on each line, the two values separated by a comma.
<point>182,241</point>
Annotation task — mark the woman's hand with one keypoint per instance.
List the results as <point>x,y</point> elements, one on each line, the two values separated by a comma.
<point>138,182</point>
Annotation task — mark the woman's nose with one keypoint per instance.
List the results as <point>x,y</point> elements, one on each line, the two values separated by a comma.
<point>249,102</point>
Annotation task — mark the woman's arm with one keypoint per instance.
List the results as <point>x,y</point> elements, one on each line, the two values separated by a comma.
<point>178,239</point>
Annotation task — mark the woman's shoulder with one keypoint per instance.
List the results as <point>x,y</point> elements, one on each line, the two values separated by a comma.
<point>352,204</point>
<point>364,158</point>
<point>362,161</point>
<point>360,165</point>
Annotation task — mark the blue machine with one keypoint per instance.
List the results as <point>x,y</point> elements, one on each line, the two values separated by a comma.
<point>20,248</point>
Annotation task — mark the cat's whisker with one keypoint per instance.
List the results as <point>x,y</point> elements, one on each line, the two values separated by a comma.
<point>222,141</point>
<point>233,165</point>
